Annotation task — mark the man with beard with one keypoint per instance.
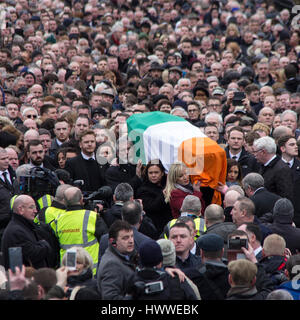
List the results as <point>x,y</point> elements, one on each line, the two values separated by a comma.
<point>36,155</point>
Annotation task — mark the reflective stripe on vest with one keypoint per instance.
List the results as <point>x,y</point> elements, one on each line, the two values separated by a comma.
<point>12,201</point>
<point>45,201</point>
<point>51,214</point>
<point>71,234</point>
<point>199,224</point>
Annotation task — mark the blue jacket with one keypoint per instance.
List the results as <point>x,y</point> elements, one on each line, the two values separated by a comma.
<point>293,287</point>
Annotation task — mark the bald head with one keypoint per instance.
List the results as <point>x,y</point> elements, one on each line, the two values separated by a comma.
<point>72,196</point>
<point>213,214</point>
<point>25,206</point>
<point>230,198</point>
<point>19,201</point>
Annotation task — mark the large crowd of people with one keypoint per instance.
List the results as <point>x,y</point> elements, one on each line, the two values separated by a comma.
<point>71,73</point>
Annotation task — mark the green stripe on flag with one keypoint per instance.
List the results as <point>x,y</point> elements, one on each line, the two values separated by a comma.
<point>138,123</point>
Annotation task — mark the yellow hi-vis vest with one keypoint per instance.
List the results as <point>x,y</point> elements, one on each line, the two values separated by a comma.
<point>200,227</point>
<point>77,229</point>
<point>45,201</point>
<point>51,214</point>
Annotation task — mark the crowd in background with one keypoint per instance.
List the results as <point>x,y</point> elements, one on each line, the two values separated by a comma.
<point>72,73</point>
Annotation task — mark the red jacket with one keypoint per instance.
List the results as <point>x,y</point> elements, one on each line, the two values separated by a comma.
<point>177,197</point>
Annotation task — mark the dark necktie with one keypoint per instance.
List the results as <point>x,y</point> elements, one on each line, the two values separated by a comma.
<point>234,157</point>
<point>6,180</point>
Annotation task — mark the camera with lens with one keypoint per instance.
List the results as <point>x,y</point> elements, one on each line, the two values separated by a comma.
<point>102,196</point>
<point>237,244</point>
<point>39,182</point>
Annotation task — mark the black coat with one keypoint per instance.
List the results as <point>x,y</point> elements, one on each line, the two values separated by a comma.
<point>154,204</point>
<point>84,279</point>
<point>296,197</point>
<point>211,280</point>
<point>290,234</point>
<point>264,201</point>
<point>114,175</point>
<point>274,267</point>
<point>247,162</point>
<point>173,289</point>
<point>6,193</point>
<point>21,232</point>
<point>78,169</point>
<point>278,178</point>
<point>115,213</point>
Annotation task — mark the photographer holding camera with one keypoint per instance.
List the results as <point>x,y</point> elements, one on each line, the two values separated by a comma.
<point>153,282</point>
<point>78,226</point>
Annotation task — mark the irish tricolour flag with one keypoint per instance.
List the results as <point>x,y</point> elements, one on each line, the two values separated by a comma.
<point>158,135</point>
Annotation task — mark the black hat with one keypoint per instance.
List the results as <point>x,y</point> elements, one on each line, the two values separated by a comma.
<point>283,211</point>
<point>175,69</point>
<point>132,73</point>
<point>99,111</point>
<point>35,18</point>
<point>157,82</point>
<point>20,91</point>
<point>179,103</point>
<point>150,253</point>
<point>156,66</point>
<point>211,242</point>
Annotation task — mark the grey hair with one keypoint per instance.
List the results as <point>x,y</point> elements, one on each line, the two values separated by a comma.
<point>123,192</point>
<point>215,114</point>
<point>191,204</point>
<point>266,143</point>
<point>29,109</point>
<point>279,294</point>
<point>253,180</point>
<point>23,170</point>
<point>293,113</point>
<point>59,195</point>
<point>181,79</point>
<point>184,113</point>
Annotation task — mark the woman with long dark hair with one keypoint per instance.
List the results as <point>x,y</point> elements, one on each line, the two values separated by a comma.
<point>151,193</point>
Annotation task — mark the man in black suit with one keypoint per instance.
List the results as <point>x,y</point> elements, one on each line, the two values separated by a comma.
<point>123,169</point>
<point>7,177</point>
<point>62,131</point>
<point>277,174</point>
<point>263,199</point>
<point>235,150</point>
<point>85,166</point>
<point>288,147</point>
<point>36,155</point>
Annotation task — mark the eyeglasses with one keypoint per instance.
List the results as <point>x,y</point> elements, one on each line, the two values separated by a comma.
<point>255,152</point>
<point>34,116</point>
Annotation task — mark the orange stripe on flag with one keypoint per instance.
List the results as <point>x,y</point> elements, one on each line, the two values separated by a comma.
<point>206,161</point>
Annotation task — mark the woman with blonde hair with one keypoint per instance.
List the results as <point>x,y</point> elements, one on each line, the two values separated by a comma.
<point>179,186</point>
<point>83,274</point>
